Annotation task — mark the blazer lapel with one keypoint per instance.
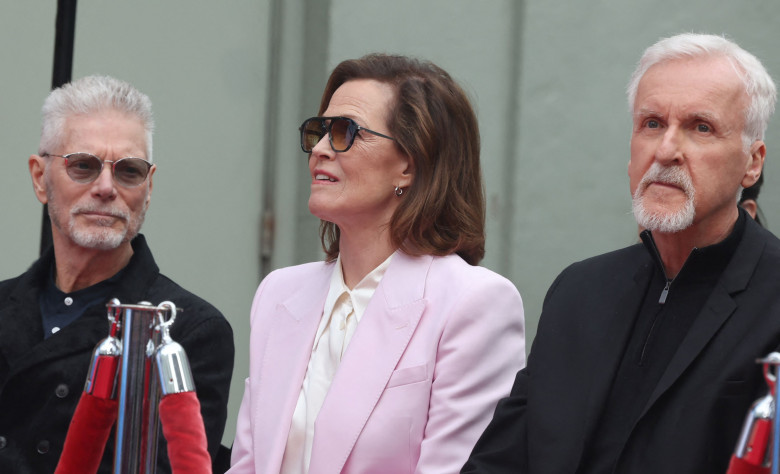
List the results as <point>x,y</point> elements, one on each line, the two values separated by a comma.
<point>373,353</point>
<point>285,359</point>
<point>608,348</point>
<point>718,308</point>
<point>21,332</point>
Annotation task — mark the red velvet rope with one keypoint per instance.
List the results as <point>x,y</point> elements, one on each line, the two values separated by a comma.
<point>89,430</point>
<point>182,426</point>
<point>741,466</point>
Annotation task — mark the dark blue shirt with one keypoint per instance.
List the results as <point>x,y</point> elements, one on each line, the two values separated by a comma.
<point>59,309</point>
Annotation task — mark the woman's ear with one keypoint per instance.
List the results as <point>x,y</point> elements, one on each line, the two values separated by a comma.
<point>407,176</point>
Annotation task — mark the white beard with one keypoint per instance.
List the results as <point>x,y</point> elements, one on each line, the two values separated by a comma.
<point>669,221</point>
<point>102,237</point>
<point>105,238</point>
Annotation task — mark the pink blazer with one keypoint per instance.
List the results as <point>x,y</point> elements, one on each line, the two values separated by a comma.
<point>438,345</point>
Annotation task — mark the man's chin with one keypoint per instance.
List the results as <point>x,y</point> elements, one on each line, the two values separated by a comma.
<point>100,240</point>
<point>667,219</point>
<point>665,222</point>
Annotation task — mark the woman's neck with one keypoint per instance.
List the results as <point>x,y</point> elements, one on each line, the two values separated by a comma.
<point>362,254</point>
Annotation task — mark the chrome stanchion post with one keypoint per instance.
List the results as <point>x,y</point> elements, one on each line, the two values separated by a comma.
<point>139,394</point>
<point>757,446</point>
<point>153,421</point>
<point>173,366</point>
<point>771,373</point>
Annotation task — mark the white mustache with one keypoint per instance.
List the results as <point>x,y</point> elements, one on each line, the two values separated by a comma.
<point>108,211</point>
<point>674,175</point>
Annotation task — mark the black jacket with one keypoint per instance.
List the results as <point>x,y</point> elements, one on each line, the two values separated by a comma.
<point>41,380</point>
<point>694,415</point>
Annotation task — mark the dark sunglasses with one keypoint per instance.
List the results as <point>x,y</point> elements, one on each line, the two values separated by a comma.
<point>85,168</point>
<point>340,130</point>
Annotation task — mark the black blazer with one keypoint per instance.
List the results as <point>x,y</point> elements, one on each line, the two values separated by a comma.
<point>41,380</point>
<point>693,418</point>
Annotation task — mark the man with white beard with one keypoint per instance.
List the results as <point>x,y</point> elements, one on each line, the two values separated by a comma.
<point>94,170</point>
<point>645,358</point>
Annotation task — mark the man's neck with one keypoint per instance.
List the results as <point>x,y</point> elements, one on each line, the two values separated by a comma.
<point>674,248</point>
<point>78,267</point>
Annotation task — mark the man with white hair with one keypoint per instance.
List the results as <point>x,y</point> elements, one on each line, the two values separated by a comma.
<point>645,358</point>
<point>94,170</point>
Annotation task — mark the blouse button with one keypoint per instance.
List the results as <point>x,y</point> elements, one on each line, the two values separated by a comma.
<point>68,301</point>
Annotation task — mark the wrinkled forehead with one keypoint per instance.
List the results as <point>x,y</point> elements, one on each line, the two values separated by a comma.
<point>111,131</point>
<point>703,81</point>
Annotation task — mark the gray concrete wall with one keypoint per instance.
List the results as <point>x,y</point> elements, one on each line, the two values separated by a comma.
<point>231,82</point>
<point>573,138</point>
<point>205,69</point>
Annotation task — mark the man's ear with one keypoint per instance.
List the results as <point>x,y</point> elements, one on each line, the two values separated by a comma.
<point>750,206</point>
<point>37,165</point>
<point>755,164</point>
<point>151,185</point>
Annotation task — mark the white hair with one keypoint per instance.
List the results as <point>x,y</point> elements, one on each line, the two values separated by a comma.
<point>88,95</point>
<point>758,83</point>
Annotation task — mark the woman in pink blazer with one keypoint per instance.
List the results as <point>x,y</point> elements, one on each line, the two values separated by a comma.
<point>390,356</point>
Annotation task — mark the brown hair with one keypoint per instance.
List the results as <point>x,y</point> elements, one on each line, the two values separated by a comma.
<point>432,120</point>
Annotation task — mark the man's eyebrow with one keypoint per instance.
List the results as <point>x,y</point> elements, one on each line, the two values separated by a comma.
<point>647,112</point>
<point>706,116</point>
<point>702,115</point>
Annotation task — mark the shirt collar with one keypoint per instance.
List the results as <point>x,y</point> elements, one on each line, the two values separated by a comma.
<point>362,292</point>
<point>58,309</point>
<point>706,260</point>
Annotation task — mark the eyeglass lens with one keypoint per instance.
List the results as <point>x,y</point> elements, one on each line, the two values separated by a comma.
<point>342,133</point>
<point>85,168</point>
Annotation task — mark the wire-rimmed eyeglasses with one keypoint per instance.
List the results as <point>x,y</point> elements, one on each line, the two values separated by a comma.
<point>86,167</point>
